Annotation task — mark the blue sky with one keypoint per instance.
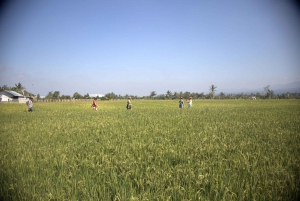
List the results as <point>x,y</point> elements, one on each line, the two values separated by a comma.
<point>135,47</point>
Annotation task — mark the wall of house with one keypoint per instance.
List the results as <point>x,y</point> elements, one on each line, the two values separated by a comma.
<point>22,100</point>
<point>4,98</point>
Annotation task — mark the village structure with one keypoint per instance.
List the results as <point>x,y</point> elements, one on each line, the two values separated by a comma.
<point>7,96</point>
<point>96,95</point>
<point>12,96</point>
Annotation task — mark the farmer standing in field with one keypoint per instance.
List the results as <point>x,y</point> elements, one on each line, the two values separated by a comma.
<point>181,103</point>
<point>190,102</point>
<point>129,105</point>
<point>30,104</point>
<point>95,105</point>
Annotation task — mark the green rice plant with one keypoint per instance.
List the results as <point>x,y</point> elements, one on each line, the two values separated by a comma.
<point>218,150</point>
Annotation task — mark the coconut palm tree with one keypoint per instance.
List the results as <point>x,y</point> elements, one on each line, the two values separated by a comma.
<point>19,87</point>
<point>212,90</point>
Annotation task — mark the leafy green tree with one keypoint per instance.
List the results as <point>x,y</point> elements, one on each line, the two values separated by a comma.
<point>252,95</point>
<point>86,96</point>
<point>160,96</point>
<point>4,87</point>
<point>169,94</point>
<point>186,95</point>
<point>176,95</point>
<point>152,94</point>
<point>268,92</point>
<point>222,95</point>
<point>242,95</point>
<point>76,95</point>
<point>49,95</point>
<point>56,95</point>
<point>208,96</point>
<point>180,94</point>
<point>230,96</point>
<point>193,95</point>
<point>258,95</point>
<point>110,96</point>
<point>201,95</point>
<point>13,89</point>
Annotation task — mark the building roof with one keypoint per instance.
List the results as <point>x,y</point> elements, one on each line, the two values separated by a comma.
<point>13,93</point>
<point>95,95</point>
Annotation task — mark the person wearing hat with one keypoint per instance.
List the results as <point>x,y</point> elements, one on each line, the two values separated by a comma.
<point>129,105</point>
<point>181,103</point>
<point>30,104</point>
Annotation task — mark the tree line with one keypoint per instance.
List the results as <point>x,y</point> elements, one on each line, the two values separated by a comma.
<point>169,95</point>
<point>266,94</point>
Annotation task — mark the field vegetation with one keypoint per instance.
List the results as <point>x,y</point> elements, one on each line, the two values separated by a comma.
<point>218,150</point>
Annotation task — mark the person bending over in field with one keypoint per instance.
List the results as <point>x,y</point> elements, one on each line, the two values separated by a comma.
<point>181,103</point>
<point>129,105</point>
<point>94,105</point>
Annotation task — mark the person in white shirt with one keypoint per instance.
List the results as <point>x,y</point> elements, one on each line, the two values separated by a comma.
<point>190,102</point>
<point>30,104</point>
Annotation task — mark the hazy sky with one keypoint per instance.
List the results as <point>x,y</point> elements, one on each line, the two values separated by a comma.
<point>138,46</point>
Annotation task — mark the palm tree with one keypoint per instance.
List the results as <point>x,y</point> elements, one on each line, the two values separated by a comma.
<point>19,87</point>
<point>212,90</point>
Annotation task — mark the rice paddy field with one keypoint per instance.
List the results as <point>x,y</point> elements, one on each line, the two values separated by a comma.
<point>218,150</point>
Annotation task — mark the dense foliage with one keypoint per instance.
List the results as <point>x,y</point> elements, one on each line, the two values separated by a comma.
<point>266,94</point>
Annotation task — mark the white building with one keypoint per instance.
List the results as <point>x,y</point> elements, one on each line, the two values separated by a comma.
<point>12,96</point>
<point>95,95</point>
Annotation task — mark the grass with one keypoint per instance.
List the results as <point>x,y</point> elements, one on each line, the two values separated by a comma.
<point>218,150</point>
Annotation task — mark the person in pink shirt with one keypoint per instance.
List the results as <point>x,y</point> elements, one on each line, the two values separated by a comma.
<point>95,105</point>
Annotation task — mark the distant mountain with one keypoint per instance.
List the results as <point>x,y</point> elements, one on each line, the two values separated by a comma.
<point>293,87</point>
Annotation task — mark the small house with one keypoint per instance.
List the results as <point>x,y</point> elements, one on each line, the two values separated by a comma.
<point>96,95</point>
<point>12,96</point>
